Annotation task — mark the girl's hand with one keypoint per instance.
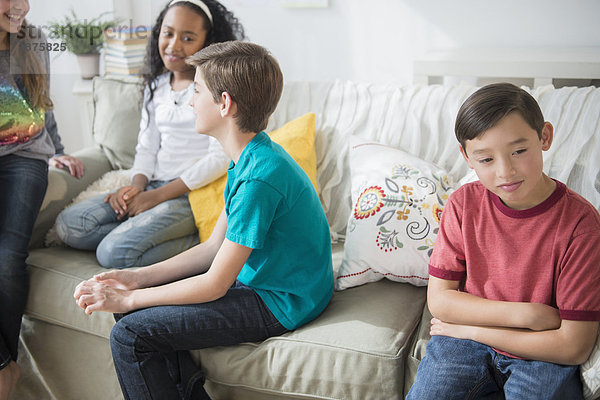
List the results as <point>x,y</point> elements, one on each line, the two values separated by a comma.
<point>73,164</point>
<point>118,200</point>
<point>143,202</point>
<point>92,295</point>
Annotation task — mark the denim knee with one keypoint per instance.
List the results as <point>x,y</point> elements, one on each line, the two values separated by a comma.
<point>133,334</point>
<point>61,228</point>
<point>110,254</point>
<point>70,233</point>
<point>121,337</point>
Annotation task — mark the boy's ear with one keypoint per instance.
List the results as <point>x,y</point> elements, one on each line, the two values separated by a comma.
<point>547,135</point>
<point>227,105</point>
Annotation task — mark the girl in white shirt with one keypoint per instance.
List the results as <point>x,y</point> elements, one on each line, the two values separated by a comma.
<point>150,219</point>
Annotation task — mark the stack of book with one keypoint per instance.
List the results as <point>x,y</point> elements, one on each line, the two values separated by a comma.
<point>124,49</point>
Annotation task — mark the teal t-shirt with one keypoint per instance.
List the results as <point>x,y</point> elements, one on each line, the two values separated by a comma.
<point>272,207</point>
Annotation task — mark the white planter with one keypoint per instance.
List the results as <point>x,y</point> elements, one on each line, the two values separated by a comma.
<point>89,65</point>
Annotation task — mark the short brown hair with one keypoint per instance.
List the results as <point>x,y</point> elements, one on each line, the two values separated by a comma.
<point>249,73</point>
<point>490,104</point>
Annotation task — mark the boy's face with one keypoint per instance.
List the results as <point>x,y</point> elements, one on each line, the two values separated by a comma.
<point>508,161</point>
<point>206,111</point>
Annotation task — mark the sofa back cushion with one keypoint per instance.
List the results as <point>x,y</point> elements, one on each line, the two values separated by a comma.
<point>117,113</point>
<point>420,120</point>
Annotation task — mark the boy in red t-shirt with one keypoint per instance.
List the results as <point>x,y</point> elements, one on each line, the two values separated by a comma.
<point>515,271</point>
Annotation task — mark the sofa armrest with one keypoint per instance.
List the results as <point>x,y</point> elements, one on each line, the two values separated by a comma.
<point>62,188</point>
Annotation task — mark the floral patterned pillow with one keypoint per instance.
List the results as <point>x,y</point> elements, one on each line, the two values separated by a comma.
<point>397,204</point>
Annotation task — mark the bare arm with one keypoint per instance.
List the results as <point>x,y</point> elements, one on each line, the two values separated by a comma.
<point>528,330</point>
<point>571,344</point>
<point>191,262</point>
<point>139,181</point>
<point>200,288</point>
<point>142,288</point>
<point>449,305</point>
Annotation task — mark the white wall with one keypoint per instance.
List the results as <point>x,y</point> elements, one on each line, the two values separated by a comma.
<point>378,40</point>
<point>64,68</point>
<point>375,40</point>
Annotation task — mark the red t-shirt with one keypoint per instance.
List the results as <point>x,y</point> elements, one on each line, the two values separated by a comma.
<point>546,254</point>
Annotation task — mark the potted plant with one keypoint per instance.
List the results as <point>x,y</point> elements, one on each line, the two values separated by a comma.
<point>84,38</point>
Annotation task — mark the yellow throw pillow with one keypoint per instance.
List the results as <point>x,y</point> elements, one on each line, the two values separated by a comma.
<point>297,137</point>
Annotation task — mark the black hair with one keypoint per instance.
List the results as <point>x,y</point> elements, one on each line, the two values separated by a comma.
<point>225,27</point>
<point>487,106</point>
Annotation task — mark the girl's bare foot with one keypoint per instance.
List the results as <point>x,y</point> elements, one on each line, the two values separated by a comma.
<point>9,376</point>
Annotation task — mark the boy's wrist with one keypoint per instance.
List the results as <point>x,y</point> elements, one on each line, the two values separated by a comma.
<point>133,301</point>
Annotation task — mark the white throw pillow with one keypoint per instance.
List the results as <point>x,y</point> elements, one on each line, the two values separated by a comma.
<point>590,373</point>
<point>397,204</point>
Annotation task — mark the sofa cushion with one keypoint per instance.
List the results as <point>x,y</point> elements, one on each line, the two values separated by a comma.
<point>397,201</point>
<point>297,137</point>
<point>117,114</point>
<point>62,187</point>
<point>356,348</point>
<point>369,328</point>
<point>54,273</point>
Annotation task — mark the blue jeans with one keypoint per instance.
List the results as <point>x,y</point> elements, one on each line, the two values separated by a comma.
<point>150,347</point>
<point>152,236</point>
<point>464,369</point>
<point>23,183</point>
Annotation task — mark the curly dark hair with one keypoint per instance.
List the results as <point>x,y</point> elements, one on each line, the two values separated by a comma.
<point>225,27</point>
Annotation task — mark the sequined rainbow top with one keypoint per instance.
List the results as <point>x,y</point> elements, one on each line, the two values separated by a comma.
<point>19,122</point>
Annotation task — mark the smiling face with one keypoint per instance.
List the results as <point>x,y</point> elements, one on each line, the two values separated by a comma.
<point>182,34</point>
<point>12,14</point>
<point>508,161</point>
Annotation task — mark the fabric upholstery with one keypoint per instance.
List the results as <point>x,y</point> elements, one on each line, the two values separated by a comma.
<point>116,122</point>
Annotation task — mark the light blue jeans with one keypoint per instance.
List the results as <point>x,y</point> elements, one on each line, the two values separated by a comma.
<point>464,369</point>
<point>152,236</point>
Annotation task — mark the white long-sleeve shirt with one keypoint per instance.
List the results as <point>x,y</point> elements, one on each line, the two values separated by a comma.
<point>168,145</point>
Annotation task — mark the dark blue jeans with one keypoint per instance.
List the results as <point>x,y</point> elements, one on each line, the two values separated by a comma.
<point>151,346</point>
<point>23,183</point>
<point>464,369</point>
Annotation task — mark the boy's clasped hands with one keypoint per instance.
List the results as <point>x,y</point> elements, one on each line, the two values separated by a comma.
<point>109,291</point>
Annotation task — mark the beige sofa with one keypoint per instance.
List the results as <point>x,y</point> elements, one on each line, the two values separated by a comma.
<point>370,339</point>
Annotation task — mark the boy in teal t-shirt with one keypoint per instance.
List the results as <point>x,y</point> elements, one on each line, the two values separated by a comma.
<point>265,269</point>
<point>271,207</point>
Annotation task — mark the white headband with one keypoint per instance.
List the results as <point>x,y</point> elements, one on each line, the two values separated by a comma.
<point>199,3</point>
